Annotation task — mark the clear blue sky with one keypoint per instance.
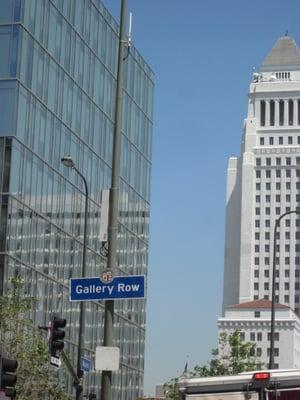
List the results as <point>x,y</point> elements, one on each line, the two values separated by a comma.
<point>203,53</point>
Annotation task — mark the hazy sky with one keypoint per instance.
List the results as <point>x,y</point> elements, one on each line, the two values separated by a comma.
<point>203,53</point>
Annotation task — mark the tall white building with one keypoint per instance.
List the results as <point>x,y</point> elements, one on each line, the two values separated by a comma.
<point>263,183</point>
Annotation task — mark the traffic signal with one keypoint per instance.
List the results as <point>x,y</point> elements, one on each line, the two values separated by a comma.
<point>8,376</point>
<point>56,334</point>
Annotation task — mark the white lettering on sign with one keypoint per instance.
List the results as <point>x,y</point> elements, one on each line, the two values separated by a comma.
<point>128,288</point>
<point>94,289</point>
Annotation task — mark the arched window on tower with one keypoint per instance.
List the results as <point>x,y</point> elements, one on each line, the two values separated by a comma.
<point>262,113</point>
<point>272,112</point>
<point>291,112</point>
<point>281,112</point>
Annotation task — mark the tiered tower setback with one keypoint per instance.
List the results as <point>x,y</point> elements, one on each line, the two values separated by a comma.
<point>263,183</point>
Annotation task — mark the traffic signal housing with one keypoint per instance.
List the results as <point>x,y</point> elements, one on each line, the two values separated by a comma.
<point>8,377</point>
<point>56,334</point>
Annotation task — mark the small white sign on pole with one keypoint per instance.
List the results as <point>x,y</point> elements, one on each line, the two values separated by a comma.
<point>104,215</point>
<point>107,358</point>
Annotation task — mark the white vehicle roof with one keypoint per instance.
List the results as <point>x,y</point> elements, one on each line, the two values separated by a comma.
<point>242,378</point>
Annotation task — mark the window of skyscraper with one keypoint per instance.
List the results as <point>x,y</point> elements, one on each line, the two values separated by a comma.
<point>267,248</point>
<point>281,112</point>
<point>272,112</point>
<point>291,112</point>
<point>262,113</point>
<point>258,351</point>
<point>286,300</point>
<point>267,261</point>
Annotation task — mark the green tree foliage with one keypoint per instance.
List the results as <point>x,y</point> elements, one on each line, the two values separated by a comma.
<point>233,356</point>
<point>171,389</point>
<point>21,340</point>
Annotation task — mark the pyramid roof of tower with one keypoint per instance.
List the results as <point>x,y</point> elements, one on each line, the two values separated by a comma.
<point>262,303</point>
<point>284,53</point>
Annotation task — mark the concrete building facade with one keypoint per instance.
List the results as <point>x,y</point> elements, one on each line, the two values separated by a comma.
<point>253,320</point>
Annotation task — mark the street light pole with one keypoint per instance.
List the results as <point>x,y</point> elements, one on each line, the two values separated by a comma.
<point>272,333</point>
<point>106,381</point>
<point>68,162</point>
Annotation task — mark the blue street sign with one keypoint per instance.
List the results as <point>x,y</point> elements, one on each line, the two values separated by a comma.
<point>121,287</point>
<point>85,364</point>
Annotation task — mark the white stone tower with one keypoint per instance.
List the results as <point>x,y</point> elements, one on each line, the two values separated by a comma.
<point>263,183</point>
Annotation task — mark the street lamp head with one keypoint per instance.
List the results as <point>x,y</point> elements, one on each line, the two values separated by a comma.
<point>68,162</point>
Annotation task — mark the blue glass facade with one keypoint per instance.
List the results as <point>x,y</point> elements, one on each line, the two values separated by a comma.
<point>57,93</point>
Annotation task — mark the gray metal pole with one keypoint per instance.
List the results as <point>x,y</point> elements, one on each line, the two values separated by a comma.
<point>79,388</point>
<point>272,333</point>
<point>106,383</point>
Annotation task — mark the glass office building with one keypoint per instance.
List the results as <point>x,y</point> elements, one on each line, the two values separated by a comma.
<point>57,97</point>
